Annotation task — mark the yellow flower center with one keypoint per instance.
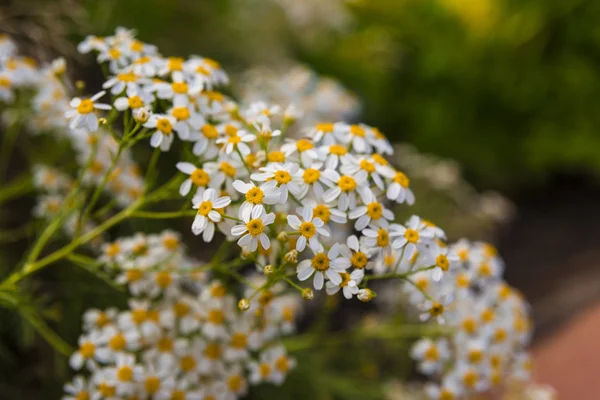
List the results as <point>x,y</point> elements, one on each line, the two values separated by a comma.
<point>102,320</point>
<point>303,145</point>
<point>401,179</point>
<point>137,46</point>
<point>432,354</point>
<point>500,335</point>
<point>325,127</point>
<point>85,107</point>
<point>469,325</point>
<point>180,309</point>
<point>218,290</point>
<point>320,262</point>
<point>359,260</point>
<point>152,384</point>
<point>436,309</point>
<point>375,210</point>
<point>135,102</point>
<point>357,130</point>
<point>463,280</point>
<point>282,364</point>
<point>228,169</point>
<point>179,87</point>
<point>264,370</point>
<point>276,156</point>
<point>216,317</point>
<point>213,351</point>
<point>127,77</point>
<point>322,212</point>
<point>442,262</point>
<point>214,96</point>
<point>311,175</point>
<point>113,249</point>
<point>338,149</point>
<point>200,177</point>
<point>422,283</point>
<point>82,396</point>
<point>255,227</point>
<point>114,53</point>
<point>411,235</point>
<point>178,395</point>
<point>87,349</point>
<point>124,373</point>
<point>117,342</point>
<point>142,60</point>
<point>487,315</point>
<point>470,379</point>
<point>367,166</point>
<point>164,344</point>
<point>307,229</point>
<point>347,183</point>
<point>345,279</point>
<point>204,208</point>
<point>4,82</point>
<point>282,177</point>
<point>485,270</point>
<point>288,314</point>
<point>239,340</point>
<point>181,113</point>
<point>106,390</point>
<point>171,242</point>
<point>139,315</point>
<point>163,279</point>
<point>175,63</point>
<point>475,356</point>
<point>235,382</point>
<point>209,131</point>
<point>164,125</point>
<point>234,139</point>
<point>379,159</point>
<point>255,195</point>
<point>187,363</point>
<point>445,394</point>
<point>383,238</point>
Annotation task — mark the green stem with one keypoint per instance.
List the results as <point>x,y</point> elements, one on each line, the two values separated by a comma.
<point>16,188</point>
<point>163,215</point>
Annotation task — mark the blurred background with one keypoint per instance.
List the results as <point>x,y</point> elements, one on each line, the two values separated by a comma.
<point>495,105</point>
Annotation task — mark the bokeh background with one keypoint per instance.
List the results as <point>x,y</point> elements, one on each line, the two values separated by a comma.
<point>504,93</point>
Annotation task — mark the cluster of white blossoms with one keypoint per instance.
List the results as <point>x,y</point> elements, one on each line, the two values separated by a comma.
<point>307,95</point>
<point>317,210</point>
<point>490,321</point>
<point>182,337</point>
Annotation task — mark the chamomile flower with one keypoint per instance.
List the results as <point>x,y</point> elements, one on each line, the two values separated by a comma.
<point>414,237</point>
<point>309,229</point>
<point>207,215</point>
<point>90,351</point>
<point>303,149</point>
<point>253,229</point>
<point>205,141</point>
<point>163,135</point>
<point>399,190</point>
<point>346,189</point>
<point>78,389</point>
<point>285,175</point>
<point>356,254</point>
<point>82,114</point>
<point>349,283</point>
<point>237,142</point>
<point>323,265</point>
<point>431,354</point>
<point>255,196</point>
<point>371,213</point>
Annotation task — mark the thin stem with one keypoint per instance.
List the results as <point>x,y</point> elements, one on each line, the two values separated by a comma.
<point>231,218</point>
<point>16,188</point>
<point>163,215</point>
<point>150,172</point>
<point>243,160</point>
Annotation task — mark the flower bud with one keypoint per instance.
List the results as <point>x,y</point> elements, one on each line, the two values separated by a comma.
<point>141,115</point>
<point>282,236</point>
<point>307,294</point>
<point>80,85</point>
<point>243,304</point>
<point>291,256</point>
<point>366,295</point>
<point>102,121</point>
<point>268,269</point>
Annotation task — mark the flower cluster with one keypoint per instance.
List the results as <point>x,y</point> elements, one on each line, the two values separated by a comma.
<point>181,337</point>
<point>489,321</point>
<point>318,210</point>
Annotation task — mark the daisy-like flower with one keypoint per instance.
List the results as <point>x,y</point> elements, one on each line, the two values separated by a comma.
<point>285,175</point>
<point>90,351</point>
<point>198,177</point>
<point>124,374</point>
<point>178,90</point>
<point>309,229</point>
<point>188,120</point>
<point>303,150</point>
<point>355,135</point>
<point>326,212</point>
<point>163,136</point>
<point>414,237</point>
<point>399,189</point>
<point>82,114</point>
<point>133,100</point>
<point>352,165</point>
<point>323,265</point>
<point>207,215</point>
<point>346,188</point>
<point>431,355</point>
<point>349,283</point>
<point>205,141</point>
<point>312,177</point>
<point>356,254</point>
<point>237,141</point>
<point>124,80</point>
<point>79,389</point>
<point>377,241</point>
<point>322,133</point>
<point>333,154</point>
<point>371,213</point>
<point>256,196</point>
<point>253,229</point>
<point>435,309</point>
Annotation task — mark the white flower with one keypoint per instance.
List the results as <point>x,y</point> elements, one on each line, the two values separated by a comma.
<point>90,351</point>
<point>356,254</point>
<point>256,196</point>
<point>205,141</point>
<point>125,374</point>
<point>323,265</point>
<point>207,215</point>
<point>237,141</point>
<point>399,190</point>
<point>371,213</point>
<point>253,229</point>
<point>355,135</point>
<point>431,355</point>
<point>82,114</point>
<point>285,175</point>
<point>345,189</point>
<point>78,389</point>
<point>349,283</point>
<point>309,229</point>
<point>414,237</point>
<point>188,122</point>
<point>133,100</point>
<point>305,148</point>
<point>163,136</point>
